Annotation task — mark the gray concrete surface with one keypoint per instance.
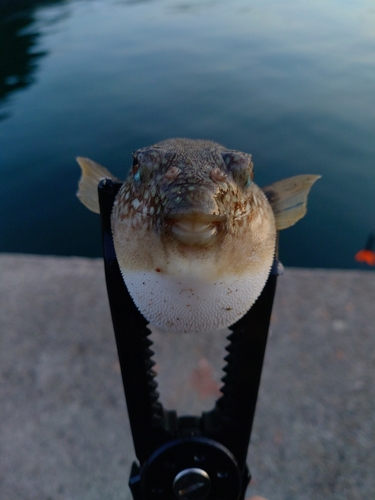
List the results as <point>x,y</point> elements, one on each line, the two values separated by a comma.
<point>64,432</point>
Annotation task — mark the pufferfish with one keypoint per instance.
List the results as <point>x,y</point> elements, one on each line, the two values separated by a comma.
<point>194,236</point>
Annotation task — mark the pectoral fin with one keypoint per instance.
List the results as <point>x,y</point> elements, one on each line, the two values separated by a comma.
<point>288,198</point>
<point>92,174</point>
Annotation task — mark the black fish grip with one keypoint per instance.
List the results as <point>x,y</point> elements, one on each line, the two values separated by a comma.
<point>185,458</point>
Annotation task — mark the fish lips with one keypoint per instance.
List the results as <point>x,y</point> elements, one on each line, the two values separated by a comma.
<point>195,229</point>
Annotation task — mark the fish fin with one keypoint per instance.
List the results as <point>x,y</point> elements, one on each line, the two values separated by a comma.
<point>288,198</point>
<point>92,174</point>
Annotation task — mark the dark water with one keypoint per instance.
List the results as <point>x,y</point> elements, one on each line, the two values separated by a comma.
<point>292,82</point>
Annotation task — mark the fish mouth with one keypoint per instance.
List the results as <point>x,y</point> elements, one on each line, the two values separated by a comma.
<point>194,229</point>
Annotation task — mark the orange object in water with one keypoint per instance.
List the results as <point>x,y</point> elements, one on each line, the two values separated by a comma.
<point>367,255</point>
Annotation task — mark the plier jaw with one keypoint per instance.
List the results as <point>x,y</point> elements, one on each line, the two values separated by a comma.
<point>186,458</point>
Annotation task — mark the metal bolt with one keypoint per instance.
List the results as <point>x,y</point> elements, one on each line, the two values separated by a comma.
<point>192,484</point>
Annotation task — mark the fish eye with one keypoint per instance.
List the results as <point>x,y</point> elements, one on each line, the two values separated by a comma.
<point>145,163</point>
<point>137,176</point>
<point>248,181</point>
<point>241,167</point>
<point>136,169</point>
<point>242,177</point>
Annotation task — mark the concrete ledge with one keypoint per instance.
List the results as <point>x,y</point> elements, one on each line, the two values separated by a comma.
<point>64,432</point>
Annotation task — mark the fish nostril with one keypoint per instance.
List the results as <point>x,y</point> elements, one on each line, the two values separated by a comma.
<point>218,175</point>
<point>172,173</point>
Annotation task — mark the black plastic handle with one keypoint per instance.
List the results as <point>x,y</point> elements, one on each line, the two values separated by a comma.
<point>166,446</point>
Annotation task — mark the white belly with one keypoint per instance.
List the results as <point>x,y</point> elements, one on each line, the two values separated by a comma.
<point>191,304</point>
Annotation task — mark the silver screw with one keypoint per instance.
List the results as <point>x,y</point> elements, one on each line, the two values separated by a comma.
<point>192,484</point>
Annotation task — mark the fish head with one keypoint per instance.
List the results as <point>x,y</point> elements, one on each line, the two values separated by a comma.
<point>189,191</point>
